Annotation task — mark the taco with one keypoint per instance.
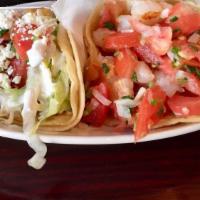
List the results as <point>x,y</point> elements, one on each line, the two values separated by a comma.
<point>143,70</point>
<point>41,82</point>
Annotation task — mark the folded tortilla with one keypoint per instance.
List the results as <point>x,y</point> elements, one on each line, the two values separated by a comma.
<point>92,25</point>
<point>60,123</point>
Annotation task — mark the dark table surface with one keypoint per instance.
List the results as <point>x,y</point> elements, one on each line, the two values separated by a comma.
<point>160,170</point>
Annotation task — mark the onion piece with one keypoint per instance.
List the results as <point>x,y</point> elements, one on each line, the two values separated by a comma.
<point>144,73</point>
<point>167,83</point>
<point>124,105</point>
<point>124,24</point>
<point>101,98</point>
<point>194,38</point>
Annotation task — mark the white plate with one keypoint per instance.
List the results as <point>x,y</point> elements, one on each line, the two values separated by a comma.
<point>97,136</point>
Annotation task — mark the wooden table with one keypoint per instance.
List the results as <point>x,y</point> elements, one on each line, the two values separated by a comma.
<point>160,170</point>
<point>164,170</point>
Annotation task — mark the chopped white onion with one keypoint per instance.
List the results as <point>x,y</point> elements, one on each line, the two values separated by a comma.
<point>99,36</point>
<point>180,74</point>
<point>124,24</point>
<point>165,13</point>
<point>124,105</point>
<point>167,83</point>
<point>144,73</point>
<point>194,38</point>
<point>101,98</point>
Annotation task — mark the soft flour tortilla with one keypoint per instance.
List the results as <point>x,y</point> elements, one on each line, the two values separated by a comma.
<point>68,120</point>
<point>93,52</point>
<point>63,122</point>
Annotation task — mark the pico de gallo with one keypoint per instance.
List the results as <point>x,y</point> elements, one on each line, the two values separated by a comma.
<point>148,65</point>
<point>32,77</point>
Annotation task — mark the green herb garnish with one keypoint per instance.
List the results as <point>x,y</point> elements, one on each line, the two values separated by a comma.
<point>109,25</point>
<point>105,68</point>
<point>176,30</point>
<point>175,50</point>
<point>134,77</point>
<point>128,97</point>
<point>153,102</point>
<point>173,19</point>
<point>3,31</point>
<point>193,70</point>
<point>161,111</point>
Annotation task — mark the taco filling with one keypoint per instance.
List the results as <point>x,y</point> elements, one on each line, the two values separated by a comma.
<point>144,64</point>
<point>34,82</point>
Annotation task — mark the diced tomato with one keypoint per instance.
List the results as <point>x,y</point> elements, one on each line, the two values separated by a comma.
<point>99,36</point>
<point>184,106</point>
<point>149,108</point>
<point>125,64</point>
<point>23,40</point>
<point>158,38</point>
<point>119,41</point>
<point>106,17</point>
<point>146,54</point>
<point>98,115</point>
<point>192,84</point>
<point>185,18</point>
<point>167,67</point>
<point>161,43</point>
<point>19,69</point>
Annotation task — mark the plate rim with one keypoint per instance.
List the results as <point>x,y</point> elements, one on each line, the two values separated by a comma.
<point>96,140</point>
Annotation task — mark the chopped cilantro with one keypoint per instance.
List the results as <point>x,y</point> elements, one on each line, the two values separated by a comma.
<point>161,111</point>
<point>173,19</point>
<point>105,68</point>
<point>176,30</point>
<point>127,97</point>
<point>175,50</point>
<point>193,70</point>
<point>153,102</point>
<point>3,31</point>
<point>12,48</point>
<point>134,77</point>
<point>109,25</point>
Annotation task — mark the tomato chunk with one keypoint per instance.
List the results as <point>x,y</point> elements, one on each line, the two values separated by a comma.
<point>149,111</point>
<point>119,41</point>
<point>184,106</point>
<point>19,69</point>
<point>184,18</point>
<point>146,54</point>
<point>192,84</point>
<point>97,112</point>
<point>125,64</point>
<point>23,40</point>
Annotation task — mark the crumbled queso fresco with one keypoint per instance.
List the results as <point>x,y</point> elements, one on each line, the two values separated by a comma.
<point>30,26</point>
